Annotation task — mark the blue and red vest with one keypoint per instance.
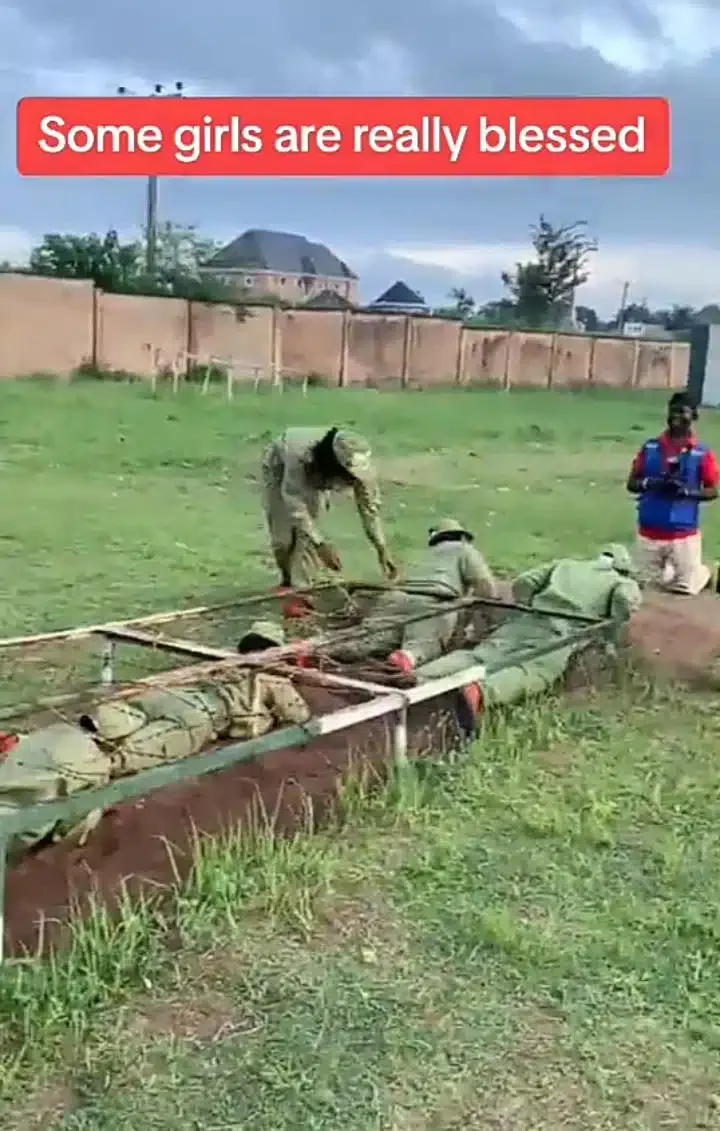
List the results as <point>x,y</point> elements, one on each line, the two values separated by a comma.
<point>676,516</point>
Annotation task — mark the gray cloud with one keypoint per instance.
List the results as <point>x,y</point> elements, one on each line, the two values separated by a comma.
<point>453,47</point>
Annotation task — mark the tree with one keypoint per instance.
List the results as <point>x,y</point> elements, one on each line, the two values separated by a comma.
<point>587,317</point>
<point>179,254</point>
<point>110,264</point>
<point>463,302</point>
<point>500,312</point>
<point>120,267</point>
<point>543,289</point>
<point>677,319</point>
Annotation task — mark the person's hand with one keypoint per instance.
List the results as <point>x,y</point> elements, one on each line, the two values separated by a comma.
<point>674,488</point>
<point>654,483</point>
<point>329,557</point>
<point>387,566</point>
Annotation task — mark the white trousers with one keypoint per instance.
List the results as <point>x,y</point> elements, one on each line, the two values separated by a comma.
<point>674,565</point>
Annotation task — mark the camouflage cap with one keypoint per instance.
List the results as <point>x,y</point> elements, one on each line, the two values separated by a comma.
<point>620,557</point>
<point>353,452</point>
<point>269,630</point>
<point>449,526</point>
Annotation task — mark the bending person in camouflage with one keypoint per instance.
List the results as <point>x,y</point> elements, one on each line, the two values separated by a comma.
<point>448,569</point>
<point>126,735</point>
<point>597,588</point>
<point>300,469</point>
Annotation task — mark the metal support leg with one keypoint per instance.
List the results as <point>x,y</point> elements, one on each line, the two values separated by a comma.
<point>3,873</point>
<point>400,737</point>
<point>107,671</point>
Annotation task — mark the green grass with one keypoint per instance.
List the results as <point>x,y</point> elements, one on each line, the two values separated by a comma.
<point>526,939</point>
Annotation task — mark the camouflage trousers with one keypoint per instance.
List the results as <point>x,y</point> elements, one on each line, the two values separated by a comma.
<point>384,629</point>
<point>510,681</point>
<point>293,551</point>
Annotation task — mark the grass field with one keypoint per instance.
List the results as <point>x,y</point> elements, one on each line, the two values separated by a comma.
<point>528,940</point>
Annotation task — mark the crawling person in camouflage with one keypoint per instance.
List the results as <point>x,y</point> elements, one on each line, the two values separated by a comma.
<point>299,470</point>
<point>123,736</point>
<point>604,587</point>
<point>449,568</point>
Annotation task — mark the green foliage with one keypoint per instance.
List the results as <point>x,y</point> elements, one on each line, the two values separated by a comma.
<point>543,289</point>
<point>112,265</point>
<point>120,268</point>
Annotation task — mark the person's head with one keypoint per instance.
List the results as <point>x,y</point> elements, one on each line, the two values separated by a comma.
<point>619,558</point>
<point>342,456</point>
<point>681,414</point>
<point>448,530</point>
<point>261,635</point>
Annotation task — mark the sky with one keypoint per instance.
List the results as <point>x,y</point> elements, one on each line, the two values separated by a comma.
<point>660,235</point>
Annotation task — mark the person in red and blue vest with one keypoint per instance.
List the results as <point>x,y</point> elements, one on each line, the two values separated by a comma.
<point>673,475</point>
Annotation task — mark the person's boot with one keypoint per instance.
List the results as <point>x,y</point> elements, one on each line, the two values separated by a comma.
<point>282,561</point>
<point>303,657</point>
<point>297,607</point>
<point>8,742</point>
<point>402,661</point>
<point>468,707</point>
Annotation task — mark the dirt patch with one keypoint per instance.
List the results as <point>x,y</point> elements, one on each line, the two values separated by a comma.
<point>679,637</point>
<point>129,850</point>
<point>210,1018</point>
<point>43,1109</point>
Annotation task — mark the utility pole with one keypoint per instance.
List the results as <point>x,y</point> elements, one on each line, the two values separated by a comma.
<point>623,307</point>
<point>151,199</point>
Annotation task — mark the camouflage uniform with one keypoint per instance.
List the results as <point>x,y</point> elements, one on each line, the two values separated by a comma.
<point>169,724</point>
<point>598,588</point>
<point>293,502</point>
<point>125,736</point>
<point>444,572</point>
<point>47,765</point>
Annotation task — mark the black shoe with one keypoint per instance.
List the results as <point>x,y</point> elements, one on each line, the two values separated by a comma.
<point>465,716</point>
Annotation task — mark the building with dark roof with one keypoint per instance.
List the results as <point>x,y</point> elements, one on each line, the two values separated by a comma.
<point>328,300</point>
<point>399,299</point>
<point>281,264</point>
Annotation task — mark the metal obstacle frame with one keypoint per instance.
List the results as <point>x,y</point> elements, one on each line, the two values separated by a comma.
<point>236,371</point>
<point>382,700</point>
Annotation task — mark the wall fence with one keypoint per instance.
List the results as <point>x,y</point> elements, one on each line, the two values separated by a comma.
<point>54,326</point>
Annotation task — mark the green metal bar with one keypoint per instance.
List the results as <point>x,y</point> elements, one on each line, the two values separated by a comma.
<point>524,656</point>
<point>3,876</point>
<point>124,789</point>
<point>513,606</point>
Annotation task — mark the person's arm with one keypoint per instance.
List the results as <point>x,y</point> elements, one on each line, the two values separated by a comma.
<point>368,502</point>
<point>709,478</point>
<point>626,599</point>
<point>637,483</point>
<point>292,489</point>
<point>283,700</point>
<point>530,583</point>
<point>476,575</point>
